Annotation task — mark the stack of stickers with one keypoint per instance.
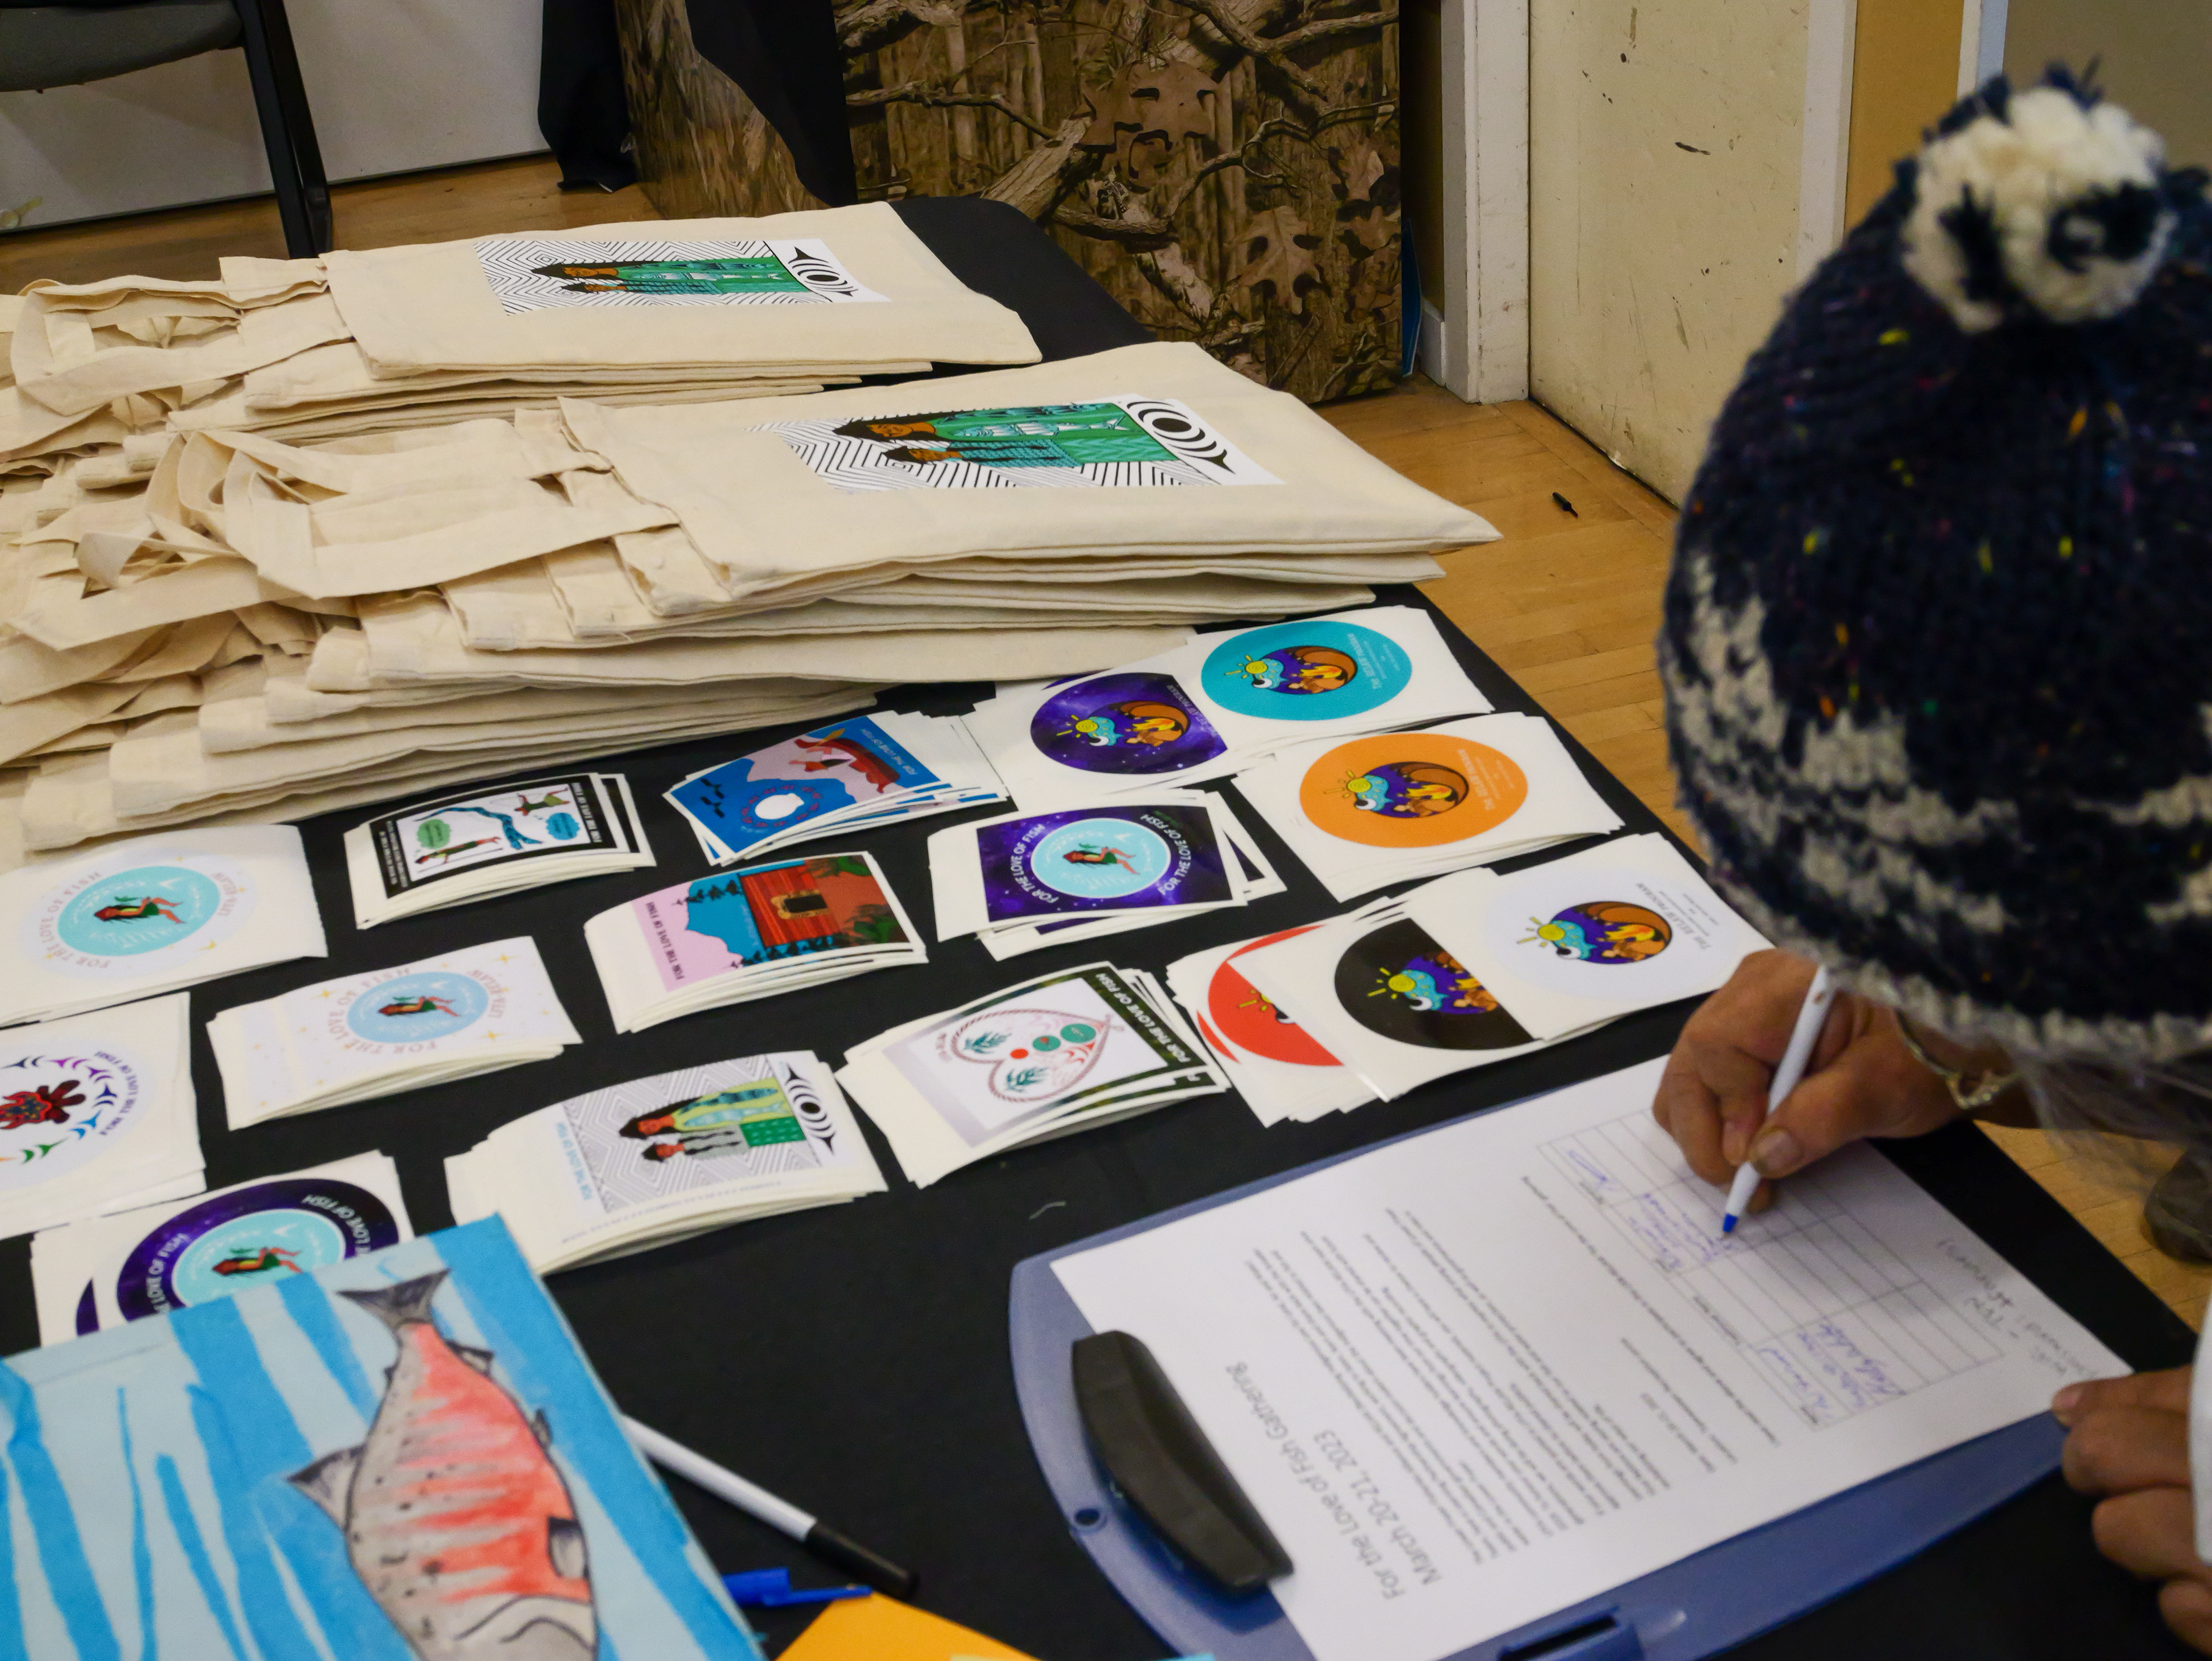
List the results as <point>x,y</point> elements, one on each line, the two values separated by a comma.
<point>1054,1055</point>
<point>1024,881</point>
<point>364,1036</point>
<point>1278,1068</point>
<point>1476,967</point>
<point>659,1160</point>
<point>97,1115</point>
<point>1219,702</point>
<point>1370,811</point>
<point>147,917</point>
<point>751,933</point>
<point>103,1273</point>
<point>867,771</point>
<point>473,847</point>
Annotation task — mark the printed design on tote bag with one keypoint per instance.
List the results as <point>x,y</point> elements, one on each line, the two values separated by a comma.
<point>59,1112</point>
<point>528,274</point>
<point>1109,443</point>
<point>1399,983</point>
<point>1125,723</point>
<point>1602,932</point>
<point>268,1231</point>
<point>1316,671</point>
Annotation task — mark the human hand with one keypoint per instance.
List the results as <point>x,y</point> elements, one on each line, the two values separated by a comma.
<point>2128,1447</point>
<point>1861,1081</point>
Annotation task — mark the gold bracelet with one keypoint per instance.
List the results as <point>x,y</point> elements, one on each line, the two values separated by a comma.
<point>1971,1091</point>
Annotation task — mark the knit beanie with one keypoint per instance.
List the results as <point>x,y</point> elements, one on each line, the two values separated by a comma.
<point>1938,634</point>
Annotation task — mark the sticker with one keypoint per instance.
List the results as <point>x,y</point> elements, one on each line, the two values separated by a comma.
<point>1399,983</point>
<point>442,839</point>
<point>1110,443</point>
<point>59,1112</point>
<point>139,920</point>
<point>1125,723</point>
<point>530,274</point>
<point>1098,859</point>
<point>1247,1019</point>
<point>765,914</point>
<point>775,789</point>
<point>88,1311</point>
<point>679,1132</point>
<point>1029,1055</point>
<point>1319,671</point>
<point>253,1235</point>
<point>1411,790</point>
<point>417,1008</point>
<point>1622,934</point>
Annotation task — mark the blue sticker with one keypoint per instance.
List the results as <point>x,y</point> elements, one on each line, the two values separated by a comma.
<point>412,1008</point>
<point>1100,859</point>
<point>1306,672</point>
<point>138,910</point>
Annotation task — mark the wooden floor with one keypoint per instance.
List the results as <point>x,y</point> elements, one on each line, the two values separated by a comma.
<point>1568,602</point>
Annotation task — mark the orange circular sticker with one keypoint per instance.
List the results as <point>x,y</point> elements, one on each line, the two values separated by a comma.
<point>1411,790</point>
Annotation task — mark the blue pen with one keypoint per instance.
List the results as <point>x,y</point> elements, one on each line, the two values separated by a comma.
<point>1810,1019</point>
<point>772,1588</point>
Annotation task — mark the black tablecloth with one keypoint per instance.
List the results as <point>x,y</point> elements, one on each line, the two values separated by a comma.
<point>854,1358</point>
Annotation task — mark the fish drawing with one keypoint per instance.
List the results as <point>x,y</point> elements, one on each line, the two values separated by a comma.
<point>456,1519</point>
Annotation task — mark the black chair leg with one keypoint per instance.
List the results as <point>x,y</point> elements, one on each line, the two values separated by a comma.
<point>287,128</point>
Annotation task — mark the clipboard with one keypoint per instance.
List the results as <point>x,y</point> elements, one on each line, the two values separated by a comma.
<point>1719,1596</point>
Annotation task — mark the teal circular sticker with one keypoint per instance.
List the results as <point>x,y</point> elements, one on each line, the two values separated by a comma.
<point>250,1249</point>
<point>415,1008</point>
<point>1306,672</point>
<point>138,910</point>
<point>1100,859</point>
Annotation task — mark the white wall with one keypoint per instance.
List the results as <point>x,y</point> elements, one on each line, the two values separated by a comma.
<point>1668,159</point>
<point>395,85</point>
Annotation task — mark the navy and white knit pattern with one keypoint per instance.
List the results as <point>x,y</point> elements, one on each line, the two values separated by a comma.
<point>1938,638</point>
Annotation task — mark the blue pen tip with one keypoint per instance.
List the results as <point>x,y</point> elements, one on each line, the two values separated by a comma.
<point>1727,1225</point>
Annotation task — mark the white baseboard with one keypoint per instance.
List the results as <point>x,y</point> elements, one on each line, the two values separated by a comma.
<point>1429,350</point>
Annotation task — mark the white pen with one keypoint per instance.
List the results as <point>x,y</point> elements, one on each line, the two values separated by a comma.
<point>1802,1037</point>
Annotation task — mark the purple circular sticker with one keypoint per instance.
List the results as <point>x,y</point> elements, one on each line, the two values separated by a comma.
<point>1125,723</point>
<point>267,1232</point>
<point>88,1312</point>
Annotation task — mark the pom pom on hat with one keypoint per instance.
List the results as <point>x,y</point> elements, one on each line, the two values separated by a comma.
<point>2048,203</point>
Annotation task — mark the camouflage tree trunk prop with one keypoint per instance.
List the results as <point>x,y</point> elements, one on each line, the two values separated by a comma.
<point>1227,168</point>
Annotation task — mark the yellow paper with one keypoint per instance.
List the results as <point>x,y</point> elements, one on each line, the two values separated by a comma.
<point>882,1628</point>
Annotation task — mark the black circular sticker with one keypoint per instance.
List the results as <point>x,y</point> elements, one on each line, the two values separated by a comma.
<point>1399,983</point>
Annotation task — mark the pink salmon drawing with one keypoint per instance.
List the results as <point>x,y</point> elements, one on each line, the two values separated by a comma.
<point>456,1519</point>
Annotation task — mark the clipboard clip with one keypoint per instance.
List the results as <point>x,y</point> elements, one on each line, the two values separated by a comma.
<point>1164,1466</point>
<point>1604,1636</point>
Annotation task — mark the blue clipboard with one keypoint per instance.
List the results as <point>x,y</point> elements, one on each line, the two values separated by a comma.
<point>1722,1596</point>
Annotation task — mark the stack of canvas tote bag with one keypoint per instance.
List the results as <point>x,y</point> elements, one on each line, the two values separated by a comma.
<point>220,617</point>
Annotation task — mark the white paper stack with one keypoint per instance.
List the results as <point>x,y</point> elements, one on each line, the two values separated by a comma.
<point>103,1272</point>
<point>1476,968</point>
<point>475,846</point>
<point>360,1036</point>
<point>1220,702</point>
<point>659,1160</point>
<point>97,1115</point>
<point>1048,1058</point>
<point>1024,881</point>
<point>869,770</point>
<point>152,914</point>
<point>1370,811</point>
<point>748,935</point>
<point>1279,1069</point>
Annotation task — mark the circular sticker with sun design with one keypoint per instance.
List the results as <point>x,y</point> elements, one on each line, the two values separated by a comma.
<point>1411,790</point>
<point>1399,983</point>
<point>1125,723</point>
<point>1602,932</point>
<point>1306,672</point>
<point>1246,1018</point>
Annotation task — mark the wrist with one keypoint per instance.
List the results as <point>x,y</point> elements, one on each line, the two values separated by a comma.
<point>1975,1075</point>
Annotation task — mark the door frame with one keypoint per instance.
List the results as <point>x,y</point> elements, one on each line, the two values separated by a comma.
<point>1476,342</point>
